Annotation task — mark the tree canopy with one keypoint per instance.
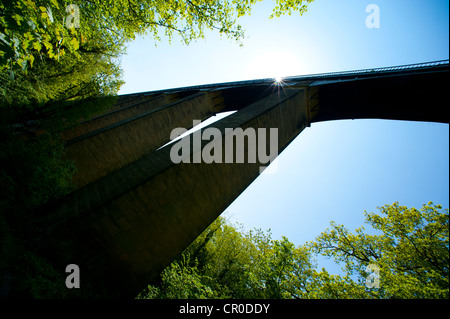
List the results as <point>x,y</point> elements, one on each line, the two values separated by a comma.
<point>53,28</point>
<point>407,259</point>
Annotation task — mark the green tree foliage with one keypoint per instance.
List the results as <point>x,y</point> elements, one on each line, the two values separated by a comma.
<point>411,253</point>
<point>47,66</point>
<point>224,262</point>
<point>56,27</point>
<point>410,258</point>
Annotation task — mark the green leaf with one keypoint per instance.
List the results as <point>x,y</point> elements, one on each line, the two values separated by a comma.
<point>74,43</point>
<point>55,3</point>
<point>31,59</point>
<point>37,46</point>
<point>47,45</point>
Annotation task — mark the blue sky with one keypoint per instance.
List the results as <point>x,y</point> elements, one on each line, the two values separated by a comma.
<point>332,170</point>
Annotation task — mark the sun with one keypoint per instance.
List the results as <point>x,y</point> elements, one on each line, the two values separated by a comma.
<point>275,64</point>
